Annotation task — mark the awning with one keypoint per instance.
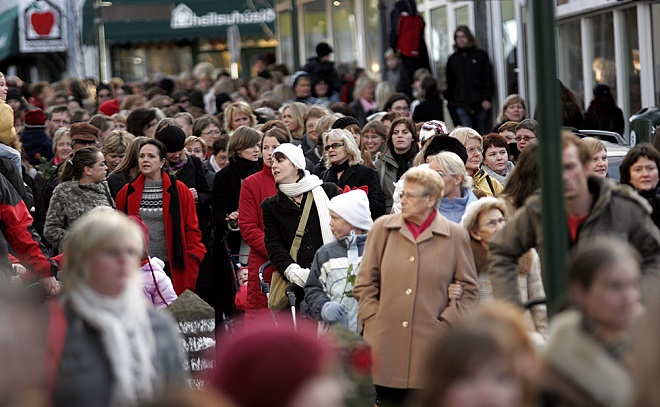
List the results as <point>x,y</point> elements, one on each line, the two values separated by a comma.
<point>153,21</point>
<point>8,32</point>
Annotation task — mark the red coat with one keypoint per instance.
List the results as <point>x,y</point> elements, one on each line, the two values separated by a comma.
<point>254,190</point>
<point>128,201</point>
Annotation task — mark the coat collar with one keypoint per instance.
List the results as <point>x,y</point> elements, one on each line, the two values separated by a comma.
<point>439,226</point>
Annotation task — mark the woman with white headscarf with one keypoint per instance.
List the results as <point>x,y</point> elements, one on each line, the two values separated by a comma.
<point>282,212</point>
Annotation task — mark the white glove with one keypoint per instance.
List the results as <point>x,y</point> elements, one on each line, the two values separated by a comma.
<point>296,274</point>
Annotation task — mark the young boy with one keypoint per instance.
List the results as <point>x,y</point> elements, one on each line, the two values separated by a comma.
<point>329,287</point>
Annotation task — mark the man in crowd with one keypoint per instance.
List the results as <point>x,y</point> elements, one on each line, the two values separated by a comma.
<point>56,117</point>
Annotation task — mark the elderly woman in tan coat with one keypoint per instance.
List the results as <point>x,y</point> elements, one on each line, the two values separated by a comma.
<point>410,259</point>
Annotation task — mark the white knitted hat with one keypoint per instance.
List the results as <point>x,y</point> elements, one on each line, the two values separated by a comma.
<point>475,207</point>
<point>293,153</point>
<point>353,207</point>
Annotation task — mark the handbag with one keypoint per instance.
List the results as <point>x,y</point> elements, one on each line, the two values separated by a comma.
<point>277,300</point>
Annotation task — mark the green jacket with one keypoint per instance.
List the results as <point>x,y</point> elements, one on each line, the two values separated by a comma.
<point>617,210</point>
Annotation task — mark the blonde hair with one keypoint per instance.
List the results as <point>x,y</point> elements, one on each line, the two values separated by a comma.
<point>593,145</point>
<point>511,99</point>
<point>345,136</point>
<point>192,139</point>
<point>452,164</point>
<point>89,235</point>
<point>428,179</point>
<point>238,107</point>
<point>117,142</point>
<point>463,134</point>
<point>360,85</point>
<point>59,133</point>
<point>298,112</point>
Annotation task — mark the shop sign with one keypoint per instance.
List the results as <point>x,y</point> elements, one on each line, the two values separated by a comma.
<point>41,26</point>
<point>184,17</point>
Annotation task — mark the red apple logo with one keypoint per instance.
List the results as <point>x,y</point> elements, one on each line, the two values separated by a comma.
<point>42,22</point>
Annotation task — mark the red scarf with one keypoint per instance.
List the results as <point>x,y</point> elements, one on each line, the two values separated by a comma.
<point>417,230</point>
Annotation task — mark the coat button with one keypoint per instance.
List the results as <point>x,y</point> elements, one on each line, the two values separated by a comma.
<point>412,258</point>
<point>405,324</point>
<point>408,291</point>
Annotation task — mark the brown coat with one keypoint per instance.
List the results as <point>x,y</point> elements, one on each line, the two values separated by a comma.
<point>401,290</point>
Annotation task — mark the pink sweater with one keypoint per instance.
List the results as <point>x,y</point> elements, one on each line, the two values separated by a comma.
<point>162,280</point>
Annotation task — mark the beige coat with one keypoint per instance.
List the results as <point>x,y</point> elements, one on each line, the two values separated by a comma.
<point>401,290</point>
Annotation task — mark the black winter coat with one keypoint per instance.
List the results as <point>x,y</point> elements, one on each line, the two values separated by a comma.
<point>429,109</point>
<point>469,78</point>
<point>359,176</point>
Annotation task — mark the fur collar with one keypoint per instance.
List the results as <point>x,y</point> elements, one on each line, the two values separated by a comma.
<point>584,362</point>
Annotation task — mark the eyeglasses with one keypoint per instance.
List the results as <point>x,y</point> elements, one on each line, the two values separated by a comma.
<point>525,138</point>
<point>333,146</point>
<point>472,150</point>
<point>405,195</point>
<point>494,222</point>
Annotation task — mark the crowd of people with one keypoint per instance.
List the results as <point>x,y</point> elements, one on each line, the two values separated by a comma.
<point>325,202</point>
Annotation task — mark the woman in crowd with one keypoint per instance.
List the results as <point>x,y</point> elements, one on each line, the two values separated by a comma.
<point>588,349</point>
<point>508,131</point>
<point>196,146</point>
<point>374,135</point>
<point>598,153</point>
<point>431,106</point>
<point>114,148</point>
<point>345,169</point>
<point>603,113</point>
<point>571,112</point>
<point>293,115</point>
<point>409,261</point>
<point>485,360</point>
<point>185,120</point>
<point>514,109</point>
<point>383,92</point>
<point>103,123</point>
<point>168,208</point>
<point>243,150</point>
<point>525,180</point>
<point>639,169</point>
<point>295,186</point>
<point>142,122</point>
<point>351,124</point>
<point>208,128</point>
<point>323,91</point>
<point>475,148</point>
<point>457,193</point>
<point>218,158</point>
<point>482,219</point>
<point>238,114</point>
<point>363,103</point>
<point>128,168</point>
<point>309,140</point>
<point>61,149</point>
<point>82,188</point>
<point>115,349</point>
<point>398,103</point>
<point>496,158</point>
<point>254,190</point>
<point>400,152</point>
<point>301,82</point>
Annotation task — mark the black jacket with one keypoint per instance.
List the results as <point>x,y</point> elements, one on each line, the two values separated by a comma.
<point>469,78</point>
<point>359,176</point>
<point>324,70</point>
<point>117,180</point>
<point>429,109</point>
<point>359,113</point>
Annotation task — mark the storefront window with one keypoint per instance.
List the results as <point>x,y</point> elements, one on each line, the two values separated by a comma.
<point>345,28</point>
<point>633,66</point>
<point>286,38</point>
<point>569,56</point>
<point>440,48</point>
<point>315,25</point>
<point>509,45</point>
<point>603,64</point>
<point>372,35</point>
<point>462,16</point>
<point>137,63</point>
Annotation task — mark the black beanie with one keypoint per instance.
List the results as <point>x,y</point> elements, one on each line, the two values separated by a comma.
<point>439,144</point>
<point>172,137</point>
<point>344,122</point>
<point>323,49</point>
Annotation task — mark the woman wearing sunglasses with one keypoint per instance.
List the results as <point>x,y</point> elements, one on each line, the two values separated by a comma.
<point>345,169</point>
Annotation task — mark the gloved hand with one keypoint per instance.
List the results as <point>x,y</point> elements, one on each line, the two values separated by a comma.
<point>297,275</point>
<point>332,311</point>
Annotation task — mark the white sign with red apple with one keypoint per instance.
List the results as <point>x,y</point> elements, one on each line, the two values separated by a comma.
<point>42,26</point>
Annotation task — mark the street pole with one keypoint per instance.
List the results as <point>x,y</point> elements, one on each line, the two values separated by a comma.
<point>100,38</point>
<point>555,231</point>
<point>294,35</point>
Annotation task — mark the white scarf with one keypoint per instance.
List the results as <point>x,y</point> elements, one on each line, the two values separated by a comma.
<point>126,334</point>
<point>312,183</point>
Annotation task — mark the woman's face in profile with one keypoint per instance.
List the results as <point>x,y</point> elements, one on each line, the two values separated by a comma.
<point>492,384</point>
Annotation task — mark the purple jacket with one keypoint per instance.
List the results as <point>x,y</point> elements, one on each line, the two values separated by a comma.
<point>162,281</point>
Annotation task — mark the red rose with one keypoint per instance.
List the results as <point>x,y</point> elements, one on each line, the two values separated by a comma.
<point>360,359</point>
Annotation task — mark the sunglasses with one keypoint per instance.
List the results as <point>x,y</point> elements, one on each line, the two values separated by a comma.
<point>334,146</point>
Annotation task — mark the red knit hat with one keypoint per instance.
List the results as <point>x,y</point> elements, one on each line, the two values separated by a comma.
<point>266,366</point>
<point>35,118</point>
<point>109,107</point>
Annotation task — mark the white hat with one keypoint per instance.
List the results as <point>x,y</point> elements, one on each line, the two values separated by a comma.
<point>475,207</point>
<point>293,153</point>
<point>353,207</point>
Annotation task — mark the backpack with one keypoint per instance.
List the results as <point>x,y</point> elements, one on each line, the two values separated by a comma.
<point>411,29</point>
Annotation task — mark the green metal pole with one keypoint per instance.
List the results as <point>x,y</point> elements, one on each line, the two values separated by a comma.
<point>294,34</point>
<point>555,230</point>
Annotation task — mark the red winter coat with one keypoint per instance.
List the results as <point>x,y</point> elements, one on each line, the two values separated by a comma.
<point>128,201</point>
<point>254,190</point>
